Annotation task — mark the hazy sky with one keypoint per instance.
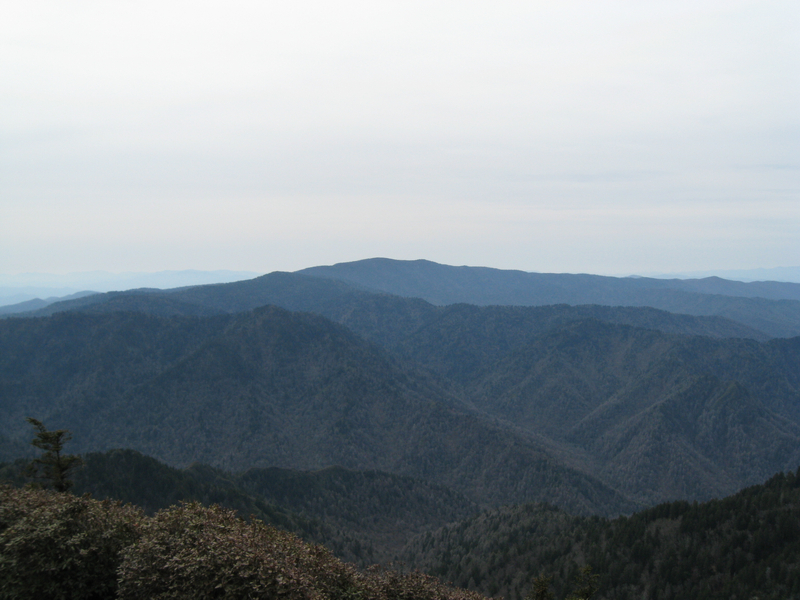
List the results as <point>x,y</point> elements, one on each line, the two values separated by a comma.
<point>594,136</point>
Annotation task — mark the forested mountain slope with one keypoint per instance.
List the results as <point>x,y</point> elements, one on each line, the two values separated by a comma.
<point>461,340</point>
<point>659,416</point>
<point>380,510</point>
<point>268,388</point>
<point>288,290</point>
<point>75,362</point>
<point>362,516</point>
<point>743,546</point>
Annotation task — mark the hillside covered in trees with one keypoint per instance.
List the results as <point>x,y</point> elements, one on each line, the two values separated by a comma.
<point>598,411</point>
<point>743,546</point>
<point>364,517</point>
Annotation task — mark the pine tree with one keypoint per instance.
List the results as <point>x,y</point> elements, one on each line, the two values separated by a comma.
<point>541,589</point>
<point>586,584</point>
<point>53,465</point>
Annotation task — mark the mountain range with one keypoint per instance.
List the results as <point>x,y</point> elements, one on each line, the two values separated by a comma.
<point>771,308</point>
<point>46,288</point>
<point>503,397</point>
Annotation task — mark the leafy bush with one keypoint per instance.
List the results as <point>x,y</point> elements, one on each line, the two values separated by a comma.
<point>190,552</point>
<point>60,546</point>
<point>387,584</point>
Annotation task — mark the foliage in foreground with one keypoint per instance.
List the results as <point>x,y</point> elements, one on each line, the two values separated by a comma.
<point>56,545</point>
<point>60,546</point>
<point>364,517</point>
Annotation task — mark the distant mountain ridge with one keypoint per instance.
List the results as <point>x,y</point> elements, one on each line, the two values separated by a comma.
<point>369,313</point>
<point>41,289</point>
<point>422,278</point>
<point>787,274</point>
<point>104,281</point>
<point>771,307</point>
<point>35,304</point>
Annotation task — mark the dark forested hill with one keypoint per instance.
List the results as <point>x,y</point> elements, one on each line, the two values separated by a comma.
<point>658,416</point>
<point>743,546</point>
<point>363,516</point>
<point>381,510</point>
<point>268,388</point>
<point>76,363</point>
<point>460,340</point>
<point>505,404</point>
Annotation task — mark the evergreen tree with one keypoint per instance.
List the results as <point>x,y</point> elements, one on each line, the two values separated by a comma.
<point>52,466</point>
<point>586,584</point>
<point>541,589</point>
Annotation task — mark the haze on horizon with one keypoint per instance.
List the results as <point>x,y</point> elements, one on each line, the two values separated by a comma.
<point>613,138</point>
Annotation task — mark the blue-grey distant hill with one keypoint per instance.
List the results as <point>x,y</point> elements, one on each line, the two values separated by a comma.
<point>445,284</point>
<point>378,316</point>
<point>31,291</point>
<point>771,307</point>
<point>51,284</point>
<point>765,309</point>
<point>790,274</point>
<point>39,303</point>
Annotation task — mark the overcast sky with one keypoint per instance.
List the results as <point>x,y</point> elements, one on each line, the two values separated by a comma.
<point>609,137</point>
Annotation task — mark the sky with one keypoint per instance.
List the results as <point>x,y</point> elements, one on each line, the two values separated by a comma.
<point>610,137</point>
